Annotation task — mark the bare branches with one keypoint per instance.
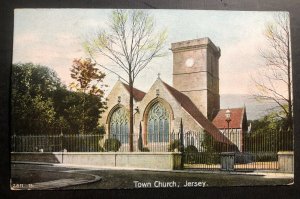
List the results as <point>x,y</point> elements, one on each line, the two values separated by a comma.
<point>106,68</point>
<point>276,72</point>
<point>130,43</point>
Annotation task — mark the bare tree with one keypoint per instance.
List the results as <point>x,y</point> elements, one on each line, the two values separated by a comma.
<point>130,43</point>
<point>274,80</point>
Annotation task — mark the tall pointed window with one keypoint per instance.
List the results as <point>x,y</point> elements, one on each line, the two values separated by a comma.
<point>119,127</point>
<point>158,124</point>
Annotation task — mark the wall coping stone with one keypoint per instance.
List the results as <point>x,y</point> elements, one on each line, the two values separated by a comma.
<point>102,153</point>
<point>285,153</point>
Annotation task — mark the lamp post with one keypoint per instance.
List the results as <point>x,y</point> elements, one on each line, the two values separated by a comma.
<point>228,119</point>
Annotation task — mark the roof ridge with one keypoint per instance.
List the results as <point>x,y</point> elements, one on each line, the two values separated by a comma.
<point>132,87</point>
<point>197,114</point>
<point>232,108</point>
<point>138,95</point>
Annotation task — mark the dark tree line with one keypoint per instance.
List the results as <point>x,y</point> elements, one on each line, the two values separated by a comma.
<point>41,104</point>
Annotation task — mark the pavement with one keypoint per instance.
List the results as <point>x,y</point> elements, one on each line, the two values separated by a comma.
<point>33,176</point>
<point>47,177</point>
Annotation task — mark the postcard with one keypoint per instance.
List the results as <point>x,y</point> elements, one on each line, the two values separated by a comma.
<point>137,99</point>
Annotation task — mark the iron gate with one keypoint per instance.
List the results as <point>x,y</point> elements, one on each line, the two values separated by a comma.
<point>252,152</point>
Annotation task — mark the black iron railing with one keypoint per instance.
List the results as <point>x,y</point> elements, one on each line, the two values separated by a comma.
<point>55,143</point>
<point>200,150</point>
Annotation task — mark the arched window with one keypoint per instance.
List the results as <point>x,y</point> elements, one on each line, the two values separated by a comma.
<point>158,123</point>
<point>119,125</point>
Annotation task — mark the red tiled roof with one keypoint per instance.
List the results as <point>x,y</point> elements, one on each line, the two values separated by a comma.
<point>237,116</point>
<point>138,95</point>
<point>191,108</point>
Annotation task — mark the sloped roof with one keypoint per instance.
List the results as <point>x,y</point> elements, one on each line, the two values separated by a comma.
<point>191,108</point>
<point>237,116</point>
<point>138,95</point>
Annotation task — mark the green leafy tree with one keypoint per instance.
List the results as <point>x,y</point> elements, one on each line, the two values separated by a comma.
<point>31,98</point>
<point>41,104</point>
<point>130,43</point>
<point>270,133</point>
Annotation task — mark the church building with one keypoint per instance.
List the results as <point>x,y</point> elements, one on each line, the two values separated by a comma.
<point>193,99</point>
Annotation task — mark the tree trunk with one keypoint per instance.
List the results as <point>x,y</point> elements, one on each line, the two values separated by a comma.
<point>290,115</point>
<point>83,115</point>
<point>131,114</point>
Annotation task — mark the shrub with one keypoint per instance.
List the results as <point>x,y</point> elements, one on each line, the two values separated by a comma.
<point>265,157</point>
<point>101,130</point>
<point>145,149</point>
<point>243,158</point>
<point>191,154</point>
<point>175,144</point>
<point>191,149</point>
<point>211,158</point>
<point>112,144</point>
<point>101,149</point>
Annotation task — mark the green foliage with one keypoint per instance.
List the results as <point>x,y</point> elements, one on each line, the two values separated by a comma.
<point>191,153</point>
<point>101,149</point>
<point>31,98</point>
<point>191,149</point>
<point>101,130</point>
<point>265,157</point>
<point>145,149</point>
<point>208,143</point>
<point>202,158</point>
<point>270,133</point>
<point>42,105</point>
<point>175,144</point>
<point>275,120</point>
<point>210,154</point>
<point>112,144</point>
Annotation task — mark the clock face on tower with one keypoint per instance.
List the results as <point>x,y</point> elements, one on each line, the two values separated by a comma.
<point>189,62</point>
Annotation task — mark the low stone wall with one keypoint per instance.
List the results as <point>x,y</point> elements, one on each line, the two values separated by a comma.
<point>286,161</point>
<point>138,160</point>
<point>36,157</point>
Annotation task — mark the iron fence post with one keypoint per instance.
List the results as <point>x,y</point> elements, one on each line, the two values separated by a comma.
<point>14,142</point>
<point>61,140</point>
<point>181,147</point>
<point>140,139</point>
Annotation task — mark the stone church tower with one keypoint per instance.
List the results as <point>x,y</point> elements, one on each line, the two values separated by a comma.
<point>196,73</point>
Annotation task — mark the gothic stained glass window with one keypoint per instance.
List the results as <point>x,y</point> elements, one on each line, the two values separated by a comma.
<point>158,124</point>
<point>119,127</point>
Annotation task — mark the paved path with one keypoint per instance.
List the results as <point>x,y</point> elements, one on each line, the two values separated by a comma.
<point>55,184</point>
<point>47,177</point>
<point>32,177</point>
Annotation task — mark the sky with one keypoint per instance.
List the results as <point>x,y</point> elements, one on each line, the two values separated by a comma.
<point>54,37</point>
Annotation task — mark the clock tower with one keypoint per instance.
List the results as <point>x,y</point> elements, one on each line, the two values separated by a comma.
<point>196,73</point>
